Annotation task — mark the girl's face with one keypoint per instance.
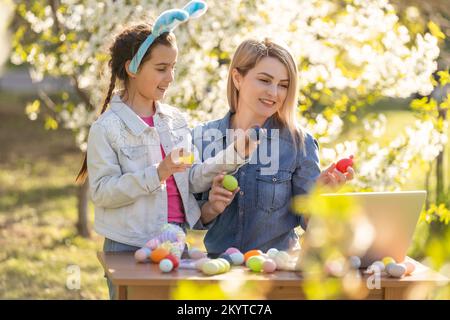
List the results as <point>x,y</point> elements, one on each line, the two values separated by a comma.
<point>156,74</point>
<point>263,89</point>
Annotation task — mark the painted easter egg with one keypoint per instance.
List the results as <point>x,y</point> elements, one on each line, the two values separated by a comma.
<point>388,260</point>
<point>211,267</point>
<point>227,257</point>
<point>175,260</point>
<point>200,262</point>
<point>187,159</point>
<point>232,250</point>
<point>237,258</point>
<point>166,265</point>
<point>396,270</point>
<point>343,164</point>
<point>225,263</point>
<point>142,254</point>
<point>410,267</point>
<point>251,253</point>
<point>229,182</point>
<point>255,263</point>
<point>272,252</point>
<point>269,266</point>
<point>158,254</point>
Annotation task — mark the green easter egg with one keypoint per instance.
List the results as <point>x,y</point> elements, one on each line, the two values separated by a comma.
<point>229,182</point>
<point>255,263</point>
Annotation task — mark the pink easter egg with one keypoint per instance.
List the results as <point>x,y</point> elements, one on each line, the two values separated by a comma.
<point>142,254</point>
<point>231,250</point>
<point>410,267</point>
<point>269,266</point>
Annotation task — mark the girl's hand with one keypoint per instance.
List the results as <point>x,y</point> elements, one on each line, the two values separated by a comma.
<point>172,164</point>
<point>219,197</point>
<point>333,178</point>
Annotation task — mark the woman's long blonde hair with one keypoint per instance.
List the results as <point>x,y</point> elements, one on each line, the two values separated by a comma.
<point>247,55</point>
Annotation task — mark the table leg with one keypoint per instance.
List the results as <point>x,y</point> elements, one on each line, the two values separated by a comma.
<point>397,293</point>
<point>122,293</point>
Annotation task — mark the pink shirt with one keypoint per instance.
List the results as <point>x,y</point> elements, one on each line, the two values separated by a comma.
<point>174,202</point>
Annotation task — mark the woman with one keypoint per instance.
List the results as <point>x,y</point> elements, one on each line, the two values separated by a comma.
<point>262,91</point>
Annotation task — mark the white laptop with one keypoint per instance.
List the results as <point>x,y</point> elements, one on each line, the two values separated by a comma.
<point>393,217</point>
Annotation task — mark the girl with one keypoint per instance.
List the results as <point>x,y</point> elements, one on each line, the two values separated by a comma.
<point>262,90</point>
<point>135,182</point>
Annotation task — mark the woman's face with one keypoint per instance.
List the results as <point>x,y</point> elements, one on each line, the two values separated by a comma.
<point>263,90</point>
<point>156,74</point>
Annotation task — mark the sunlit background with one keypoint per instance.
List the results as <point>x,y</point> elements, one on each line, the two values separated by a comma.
<point>374,83</point>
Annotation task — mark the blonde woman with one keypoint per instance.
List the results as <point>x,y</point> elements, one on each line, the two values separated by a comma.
<point>262,91</point>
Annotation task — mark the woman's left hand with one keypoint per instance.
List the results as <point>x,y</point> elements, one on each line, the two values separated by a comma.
<point>333,178</point>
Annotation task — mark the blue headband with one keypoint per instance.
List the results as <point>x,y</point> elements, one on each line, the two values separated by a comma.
<point>167,22</point>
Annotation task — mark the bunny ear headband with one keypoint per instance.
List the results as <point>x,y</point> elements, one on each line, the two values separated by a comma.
<point>167,22</point>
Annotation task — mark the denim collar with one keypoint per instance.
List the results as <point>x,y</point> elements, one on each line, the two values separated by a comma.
<point>225,123</point>
<point>130,118</point>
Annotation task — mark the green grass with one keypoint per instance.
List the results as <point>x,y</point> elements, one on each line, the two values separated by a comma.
<point>38,213</point>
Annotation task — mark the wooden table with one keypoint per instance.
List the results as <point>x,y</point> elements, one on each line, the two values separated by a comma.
<point>145,281</point>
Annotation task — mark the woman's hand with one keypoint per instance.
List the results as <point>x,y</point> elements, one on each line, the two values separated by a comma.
<point>219,198</point>
<point>333,178</point>
<point>172,164</point>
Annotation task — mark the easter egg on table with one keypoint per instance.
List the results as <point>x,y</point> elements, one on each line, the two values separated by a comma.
<point>272,252</point>
<point>255,263</point>
<point>396,270</point>
<point>227,257</point>
<point>200,262</point>
<point>237,258</point>
<point>142,254</point>
<point>281,259</point>
<point>269,266</point>
<point>251,253</point>
<point>165,265</point>
<point>210,267</point>
<point>174,259</point>
<point>388,260</point>
<point>232,250</point>
<point>343,164</point>
<point>158,254</point>
<point>410,267</point>
<point>225,263</point>
<point>229,182</point>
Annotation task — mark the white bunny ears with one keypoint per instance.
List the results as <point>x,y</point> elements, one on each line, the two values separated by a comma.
<point>167,22</point>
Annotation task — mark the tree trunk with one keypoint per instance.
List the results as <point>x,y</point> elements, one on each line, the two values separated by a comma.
<point>427,185</point>
<point>440,177</point>
<point>440,167</point>
<point>83,221</point>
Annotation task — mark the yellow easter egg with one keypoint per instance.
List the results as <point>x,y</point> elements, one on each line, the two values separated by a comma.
<point>388,260</point>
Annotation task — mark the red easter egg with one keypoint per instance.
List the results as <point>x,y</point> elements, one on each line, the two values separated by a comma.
<point>343,164</point>
<point>174,259</point>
